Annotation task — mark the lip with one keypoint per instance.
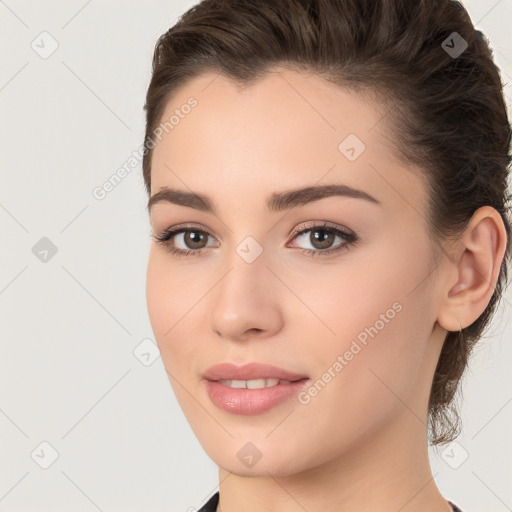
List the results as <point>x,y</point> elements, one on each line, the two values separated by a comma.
<point>229,371</point>
<point>251,401</point>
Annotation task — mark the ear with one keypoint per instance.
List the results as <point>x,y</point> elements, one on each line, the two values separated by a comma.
<point>473,273</point>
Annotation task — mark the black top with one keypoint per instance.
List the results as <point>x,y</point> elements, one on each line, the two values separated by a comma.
<point>211,504</point>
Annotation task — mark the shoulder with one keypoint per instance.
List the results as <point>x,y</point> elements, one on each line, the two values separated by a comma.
<point>454,507</point>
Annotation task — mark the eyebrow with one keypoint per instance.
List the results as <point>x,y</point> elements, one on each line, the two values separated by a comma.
<point>276,202</point>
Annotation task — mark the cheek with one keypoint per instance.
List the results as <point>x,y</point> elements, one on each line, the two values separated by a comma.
<point>167,304</point>
<point>168,299</point>
<point>373,333</point>
<point>156,296</point>
<point>176,311</point>
<point>360,386</point>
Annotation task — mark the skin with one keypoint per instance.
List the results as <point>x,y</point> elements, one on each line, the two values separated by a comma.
<point>360,444</point>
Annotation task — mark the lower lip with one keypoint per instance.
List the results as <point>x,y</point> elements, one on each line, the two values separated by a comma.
<point>251,401</point>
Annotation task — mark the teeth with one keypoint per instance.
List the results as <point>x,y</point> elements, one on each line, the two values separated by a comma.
<point>253,383</point>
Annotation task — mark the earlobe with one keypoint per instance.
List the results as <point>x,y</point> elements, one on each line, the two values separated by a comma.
<point>476,270</point>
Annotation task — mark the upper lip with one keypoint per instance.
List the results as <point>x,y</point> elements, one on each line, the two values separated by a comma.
<point>229,371</point>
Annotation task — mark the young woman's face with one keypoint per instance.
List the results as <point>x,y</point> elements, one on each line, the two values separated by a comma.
<point>337,289</point>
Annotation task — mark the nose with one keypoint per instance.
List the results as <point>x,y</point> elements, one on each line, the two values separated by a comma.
<point>247,301</point>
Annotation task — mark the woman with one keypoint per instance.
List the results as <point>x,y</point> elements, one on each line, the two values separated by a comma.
<point>327,188</point>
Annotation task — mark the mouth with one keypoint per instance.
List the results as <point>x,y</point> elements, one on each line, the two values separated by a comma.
<point>251,389</point>
<point>253,383</point>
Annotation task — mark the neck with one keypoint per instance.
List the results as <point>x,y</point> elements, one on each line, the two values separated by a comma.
<point>384,472</point>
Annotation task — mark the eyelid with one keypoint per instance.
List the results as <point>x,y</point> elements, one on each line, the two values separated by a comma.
<point>305,226</point>
<point>185,227</point>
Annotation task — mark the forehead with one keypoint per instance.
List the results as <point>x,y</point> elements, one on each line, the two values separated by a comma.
<point>282,102</point>
<point>287,129</point>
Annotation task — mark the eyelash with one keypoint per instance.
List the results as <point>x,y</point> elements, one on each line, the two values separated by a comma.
<point>351,239</point>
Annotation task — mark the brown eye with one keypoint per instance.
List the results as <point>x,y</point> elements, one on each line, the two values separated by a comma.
<point>184,241</point>
<point>321,238</point>
<point>195,239</point>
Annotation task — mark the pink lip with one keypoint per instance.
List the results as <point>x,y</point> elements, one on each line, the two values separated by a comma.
<point>229,371</point>
<point>250,401</point>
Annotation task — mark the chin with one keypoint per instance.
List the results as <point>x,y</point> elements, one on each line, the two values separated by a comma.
<point>244,457</point>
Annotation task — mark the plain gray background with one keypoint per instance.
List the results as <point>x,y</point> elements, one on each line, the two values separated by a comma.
<point>74,327</point>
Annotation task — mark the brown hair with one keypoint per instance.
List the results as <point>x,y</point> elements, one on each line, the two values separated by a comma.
<point>449,115</point>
